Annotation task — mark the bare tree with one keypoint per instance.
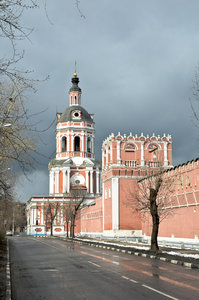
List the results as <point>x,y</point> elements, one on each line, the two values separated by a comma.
<point>12,31</point>
<point>50,212</point>
<point>19,216</point>
<point>78,196</point>
<point>67,213</point>
<point>153,196</point>
<point>6,207</point>
<point>16,142</point>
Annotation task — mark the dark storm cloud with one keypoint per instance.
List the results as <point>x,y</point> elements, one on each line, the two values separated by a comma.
<point>136,62</point>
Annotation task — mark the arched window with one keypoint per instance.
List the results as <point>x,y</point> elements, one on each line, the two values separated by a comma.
<point>63,144</point>
<point>75,99</point>
<point>77,143</point>
<point>130,147</point>
<point>89,145</point>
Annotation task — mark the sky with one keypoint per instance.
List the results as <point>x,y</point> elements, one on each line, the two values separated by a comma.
<point>136,61</point>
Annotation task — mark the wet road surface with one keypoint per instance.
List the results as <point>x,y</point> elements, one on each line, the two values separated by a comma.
<point>43,268</point>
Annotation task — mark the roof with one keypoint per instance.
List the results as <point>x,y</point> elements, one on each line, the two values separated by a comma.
<point>67,114</point>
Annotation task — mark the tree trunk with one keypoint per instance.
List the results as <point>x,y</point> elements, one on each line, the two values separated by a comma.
<point>67,229</point>
<point>73,226</point>
<point>51,229</point>
<point>154,235</point>
<point>155,219</point>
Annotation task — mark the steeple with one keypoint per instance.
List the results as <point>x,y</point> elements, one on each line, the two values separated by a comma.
<point>75,91</point>
<point>75,74</point>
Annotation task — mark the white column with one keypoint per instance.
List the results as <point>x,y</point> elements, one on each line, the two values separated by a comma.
<point>100,182</point>
<point>68,180</point>
<point>56,181</point>
<point>87,184</point>
<point>62,216</point>
<point>34,215</point>
<point>92,146</point>
<point>83,150</point>
<point>72,141</point>
<point>97,181</point>
<point>118,153</point>
<point>107,156</point>
<point>115,203</point>
<point>51,181</point>
<point>64,180</point>
<point>86,137</point>
<point>165,154</point>
<point>68,144</point>
<point>58,142</point>
<point>111,158</point>
<point>91,182</point>
<point>142,153</point>
<point>31,216</point>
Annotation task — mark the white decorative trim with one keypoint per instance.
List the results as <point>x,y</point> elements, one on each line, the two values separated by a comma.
<point>57,181</point>
<point>87,184</point>
<point>68,178</point>
<point>97,181</point>
<point>103,206</point>
<point>156,143</point>
<point>142,154</point>
<point>64,180</point>
<point>115,203</point>
<point>165,154</point>
<point>118,153</point>
<point>91,182</point>
<point>51,182</point>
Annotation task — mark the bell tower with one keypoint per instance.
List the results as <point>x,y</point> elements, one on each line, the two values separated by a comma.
<point>75,134</point>
<point>75,154</point>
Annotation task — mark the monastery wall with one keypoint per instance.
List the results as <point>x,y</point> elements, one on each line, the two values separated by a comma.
<point>90,219</point>
<point>182,220</point>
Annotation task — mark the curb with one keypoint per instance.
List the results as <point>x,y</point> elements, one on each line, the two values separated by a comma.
<point>8,277</point>
<point>132,252</point>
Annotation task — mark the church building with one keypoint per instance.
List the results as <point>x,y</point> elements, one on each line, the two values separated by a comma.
<point>109,208</point>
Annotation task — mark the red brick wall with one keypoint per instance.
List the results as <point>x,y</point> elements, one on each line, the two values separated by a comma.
<point>129,217</point>
<point>91,218</point>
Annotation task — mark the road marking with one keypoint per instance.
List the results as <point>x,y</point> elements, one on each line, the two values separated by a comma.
<point>94,264</point>
<point>129,279</point>
<point>125,277</point>
<point>166,295</point>
<point>134,281</point>
<point>115,262</point>
<point>115,255</point>
<point>50,270</point>
<point>163,278</point>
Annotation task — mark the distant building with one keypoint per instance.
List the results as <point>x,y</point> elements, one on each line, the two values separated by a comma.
<point>125,160</point>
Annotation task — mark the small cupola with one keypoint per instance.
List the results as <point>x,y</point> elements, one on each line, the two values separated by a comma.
<point>75,91</point>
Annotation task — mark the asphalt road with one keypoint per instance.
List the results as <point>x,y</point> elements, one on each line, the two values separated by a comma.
<point>43,268</point>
